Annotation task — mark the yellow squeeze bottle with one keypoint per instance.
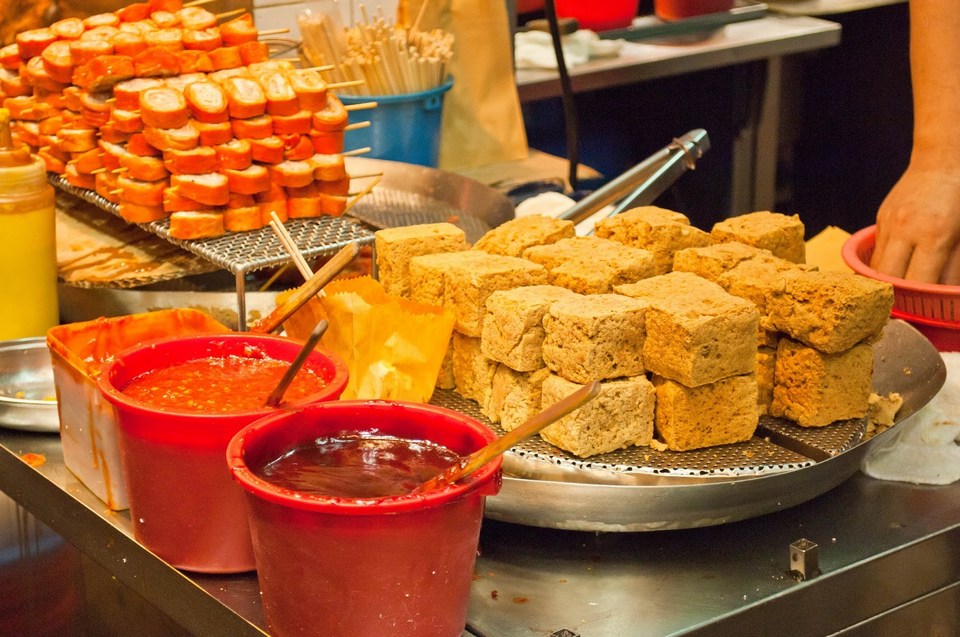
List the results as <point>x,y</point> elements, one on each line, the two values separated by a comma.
<point>28,251</point>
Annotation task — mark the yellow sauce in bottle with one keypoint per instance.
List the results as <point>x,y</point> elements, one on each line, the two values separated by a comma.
<point>28,253</point>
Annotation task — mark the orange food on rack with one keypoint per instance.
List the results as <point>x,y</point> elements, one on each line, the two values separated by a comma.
<point>163,107</point>
<point>162,110</point>
<point>194,224</point>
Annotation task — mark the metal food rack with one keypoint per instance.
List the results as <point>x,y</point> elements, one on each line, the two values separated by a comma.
<point>777,446</point>
<point>241,253</point>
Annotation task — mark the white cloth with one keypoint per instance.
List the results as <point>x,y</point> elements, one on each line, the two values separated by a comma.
<point>924,448</point>
<point>551,204</point>
<point>534,49</point>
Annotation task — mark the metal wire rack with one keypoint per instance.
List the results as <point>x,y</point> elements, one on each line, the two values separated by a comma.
<point>778,446</point>
<point>241,253</point>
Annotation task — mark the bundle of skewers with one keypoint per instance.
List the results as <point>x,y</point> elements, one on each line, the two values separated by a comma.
<point>173,112</point>
<point>384,58</point>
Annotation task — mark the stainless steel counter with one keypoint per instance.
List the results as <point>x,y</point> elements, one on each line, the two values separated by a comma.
<point>889,555</point>
<point>765,38</point>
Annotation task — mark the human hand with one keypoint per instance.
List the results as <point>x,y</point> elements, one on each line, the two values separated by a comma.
<point>918,227</point>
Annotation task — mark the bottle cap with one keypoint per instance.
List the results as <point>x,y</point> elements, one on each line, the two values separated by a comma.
<point>10,154</point>
<point>19,169</point>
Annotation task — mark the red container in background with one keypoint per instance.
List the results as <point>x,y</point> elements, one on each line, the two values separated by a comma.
<point>184,505</point>
<point>400,566</point>
<point>599,15</point>
<point>679,9</point>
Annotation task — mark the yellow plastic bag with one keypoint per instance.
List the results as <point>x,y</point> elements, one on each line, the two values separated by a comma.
<point>393,347</point>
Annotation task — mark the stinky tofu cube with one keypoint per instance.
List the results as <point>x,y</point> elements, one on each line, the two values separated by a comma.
<point>595,337</point>
<point>472,371</point>
<point>697,333</point>
<point>513,237</point>
<point>830,311</point>
<point>713,260</point>
<point>619,416</point>
<point>814,389</point>
<point>766,364</point>
<point>663,232</point>
<point>718,413</point>
<point>779,233</point>
<point>513,326</point>
<point>515,396</point>
<point>394,247</point>
<point>469,284</point>
<point>427,281</point>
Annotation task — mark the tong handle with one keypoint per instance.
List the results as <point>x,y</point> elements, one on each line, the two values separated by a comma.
<point>646,181</point>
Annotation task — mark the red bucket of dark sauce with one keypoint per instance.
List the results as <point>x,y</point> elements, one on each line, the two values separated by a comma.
<point>342,546</point>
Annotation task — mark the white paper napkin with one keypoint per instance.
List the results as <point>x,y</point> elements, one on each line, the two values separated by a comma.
<point>924,448</point>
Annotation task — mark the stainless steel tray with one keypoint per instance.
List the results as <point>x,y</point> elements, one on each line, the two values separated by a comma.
<point>645,490</point>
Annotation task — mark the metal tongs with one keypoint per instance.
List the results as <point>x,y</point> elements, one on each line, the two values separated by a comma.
<point>642,184</point>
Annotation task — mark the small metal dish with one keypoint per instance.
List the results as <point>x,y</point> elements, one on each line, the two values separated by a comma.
<point>27,391</point>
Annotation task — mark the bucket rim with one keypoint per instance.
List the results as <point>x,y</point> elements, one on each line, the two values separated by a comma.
<point>399,97</point>
<point>486,480</point>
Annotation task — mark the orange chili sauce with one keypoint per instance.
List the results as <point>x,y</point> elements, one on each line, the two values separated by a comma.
<point>219,384</point>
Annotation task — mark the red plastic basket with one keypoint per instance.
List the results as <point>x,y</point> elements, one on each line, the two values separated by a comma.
<point>944,336</point>
<point>925,300</point>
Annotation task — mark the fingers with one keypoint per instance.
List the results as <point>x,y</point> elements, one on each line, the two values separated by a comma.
<point>891,254</point>
<point>926,265</point>
<point>951,271</point>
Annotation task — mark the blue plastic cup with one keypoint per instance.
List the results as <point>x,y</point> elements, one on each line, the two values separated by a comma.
<point>402,127</point>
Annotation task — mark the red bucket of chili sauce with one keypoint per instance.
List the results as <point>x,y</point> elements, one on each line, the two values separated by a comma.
<point>179,401</point>
<point>342,546</point>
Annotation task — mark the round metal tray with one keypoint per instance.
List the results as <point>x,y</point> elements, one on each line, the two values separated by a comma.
<point>784,465</point>
<point>27,393</point>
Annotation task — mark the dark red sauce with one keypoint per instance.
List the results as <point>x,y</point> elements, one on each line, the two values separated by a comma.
<point>219,384</point>
<point>358,466</point>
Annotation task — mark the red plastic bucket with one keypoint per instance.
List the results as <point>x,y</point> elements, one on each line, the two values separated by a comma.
<point>680,9</point>
<point>183,503</point>
<point>599,16</point>
<point>398,566</point>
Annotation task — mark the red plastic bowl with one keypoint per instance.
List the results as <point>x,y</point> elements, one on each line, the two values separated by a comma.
<point>932,308</point>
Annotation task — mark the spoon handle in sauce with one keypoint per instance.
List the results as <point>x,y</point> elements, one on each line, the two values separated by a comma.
<point>308,290</point>
<point>273,400</point>
<point>552,413</point>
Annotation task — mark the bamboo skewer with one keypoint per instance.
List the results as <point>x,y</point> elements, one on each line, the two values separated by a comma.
<point>356,151</point>
<point>364,192</point>
<point>230,14</point>
<point>273,277</point>
<point>290,245</point>
<point>308,290</point>
<point>339,85</point>
<point>360,106</point>
<point>386,58</point>
<point>272,32</point>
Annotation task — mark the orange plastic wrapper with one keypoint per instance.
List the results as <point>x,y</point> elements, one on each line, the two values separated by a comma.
<point>393,347</point>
